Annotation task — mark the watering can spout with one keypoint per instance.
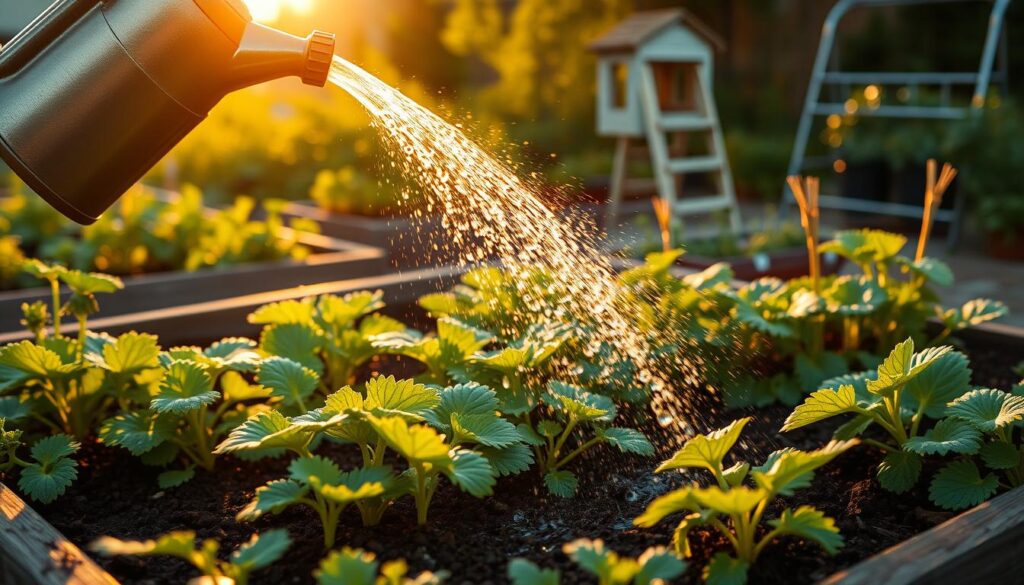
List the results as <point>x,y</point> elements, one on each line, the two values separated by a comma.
<point>94,93</point>
<point>265,54</point>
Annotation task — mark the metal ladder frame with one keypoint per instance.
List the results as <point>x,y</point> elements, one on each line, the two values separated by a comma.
<point>821,76</point>
<point>657,124</point>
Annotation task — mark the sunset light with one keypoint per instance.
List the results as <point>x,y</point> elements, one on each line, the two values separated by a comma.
<point>270,10</point>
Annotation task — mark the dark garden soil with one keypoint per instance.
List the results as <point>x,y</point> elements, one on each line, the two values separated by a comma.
<point>474,539</point>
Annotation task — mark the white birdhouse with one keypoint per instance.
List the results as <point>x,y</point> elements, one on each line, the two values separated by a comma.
<point>655,73</point>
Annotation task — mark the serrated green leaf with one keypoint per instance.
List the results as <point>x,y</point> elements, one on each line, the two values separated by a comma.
<point>262,550</point>
<point>973,312</point>
<point>899,471</point>
<point>628,441</point>
<point>359,484</point>
<point>680,500</point>
<point>129,354</point>
<point>284,312</point>
<point>45,483</point>
<point>175,478</point>
<point>578,403</point>
<point>347,567</point>
<point>658,566</point>
<point>186,387</point>
<point>903,365</point>
<point>272,498</point>
<point>13,408</point>
<point>138,431</point>
<point>528,435</point>
<point>179,544</point>
<point>391,397</point>
<point>949,435</point>
<point>416,443</point>
<point>851,296</point>
<point>86,283</point>
<point>288,380</point>
<point>510,460</point>
<point>550,428</point>
<point>930,268</point>
<point>314,469</point>
<point>737,500</point>
<point>714,275</point>
<point>789,469</point>
<point>50,449</point>
<point>988,409</point>
<point>471,398</point>
<point>471,472</point>
<point>959,485</point>
<point>706,451</point>
<point>942,382</point>
<point>592,556</point>
<point>561,483</point>
<point>821,405</point>
<point>265,430</point>
<point>489,430</point>
<point>299,343</point>
<point>523,572</point>
<point>1000,455</point>
<point>726,570</point>
<point>24,361</point>
<point>810,524</point>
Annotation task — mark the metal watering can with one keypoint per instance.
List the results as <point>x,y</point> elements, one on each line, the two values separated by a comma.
<point>93,93</point>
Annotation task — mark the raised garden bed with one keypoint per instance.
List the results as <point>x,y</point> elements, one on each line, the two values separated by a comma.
<point>523,521</point>
<point>225,317</point>
<point>332,259</point>
<point>407,242</point>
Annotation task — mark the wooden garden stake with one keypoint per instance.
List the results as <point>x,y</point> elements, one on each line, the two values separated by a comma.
<point>935,189</point>
<point>663,213</point>
<point>806,192</point>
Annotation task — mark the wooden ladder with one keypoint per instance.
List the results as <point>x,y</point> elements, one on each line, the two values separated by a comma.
<point>669,171</point>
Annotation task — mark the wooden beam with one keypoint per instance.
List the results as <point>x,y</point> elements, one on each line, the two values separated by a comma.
<point>33,552</point>
<point>983,545</point>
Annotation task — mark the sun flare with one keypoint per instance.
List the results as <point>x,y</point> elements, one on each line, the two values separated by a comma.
<point>270,10</point>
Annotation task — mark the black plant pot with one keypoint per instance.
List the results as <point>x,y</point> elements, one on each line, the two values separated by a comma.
<point>866,180</point>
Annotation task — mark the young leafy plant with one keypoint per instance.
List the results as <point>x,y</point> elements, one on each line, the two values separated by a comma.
<point>391,415</point>
<point>70,385</point>
<point>357,567</point>
<point>450,348</point>
<point>187,414</point>
<point>995,417</point>
<point>905,390</point>
<point>656,565</point>
<point>736,508</point>
<point>330,335</point>
<point>261,551</point>
<point>51,470</point>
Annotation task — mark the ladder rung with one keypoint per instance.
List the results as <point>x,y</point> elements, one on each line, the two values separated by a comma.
<point>702,204</point>
<point>680,122</point>
<point>880,207</point>
<point>935,112</point>
<point>694,164</point>
<point>894,78</point>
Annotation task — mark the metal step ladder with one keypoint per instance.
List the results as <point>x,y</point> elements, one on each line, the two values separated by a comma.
<point>826,73</point>
<point>670,168</point>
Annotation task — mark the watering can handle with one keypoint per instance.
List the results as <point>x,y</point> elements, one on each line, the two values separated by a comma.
<point>37,35</point>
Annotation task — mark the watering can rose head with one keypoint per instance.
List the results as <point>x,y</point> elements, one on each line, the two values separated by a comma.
<point>94,92</point>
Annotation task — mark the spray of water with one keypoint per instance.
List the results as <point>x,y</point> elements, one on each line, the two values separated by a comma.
<point>491,212</point>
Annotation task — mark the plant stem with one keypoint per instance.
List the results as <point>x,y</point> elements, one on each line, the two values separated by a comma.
<point>576,452</point>
<point>422,503</point>
<point>55,293</point>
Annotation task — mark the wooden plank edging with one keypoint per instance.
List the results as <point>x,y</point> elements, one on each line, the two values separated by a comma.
<point>983,545</point>
<point>33,551</point>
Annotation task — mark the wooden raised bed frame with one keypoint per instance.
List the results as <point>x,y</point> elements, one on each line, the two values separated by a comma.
<point>332,259</point>
<point>984,544</point>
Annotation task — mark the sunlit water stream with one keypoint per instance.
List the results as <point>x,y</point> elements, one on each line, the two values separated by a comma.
<point>492,212</point>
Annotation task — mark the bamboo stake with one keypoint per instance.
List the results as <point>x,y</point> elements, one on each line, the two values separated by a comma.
<point>806,192</point>
<point>935,189</point>
<point>663,213</point>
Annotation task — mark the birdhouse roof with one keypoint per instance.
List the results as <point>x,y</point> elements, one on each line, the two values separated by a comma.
<point>637,29</point>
